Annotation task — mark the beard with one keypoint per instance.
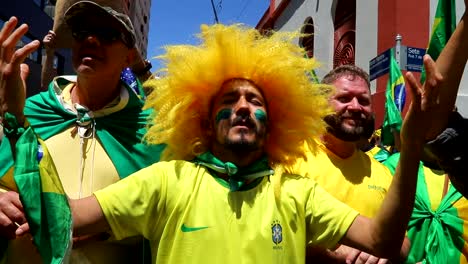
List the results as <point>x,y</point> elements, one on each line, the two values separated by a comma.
<point>243,145</point>
<point>337,129</point>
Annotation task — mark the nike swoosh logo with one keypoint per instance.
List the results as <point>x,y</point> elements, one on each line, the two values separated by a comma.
<point>185,228</point>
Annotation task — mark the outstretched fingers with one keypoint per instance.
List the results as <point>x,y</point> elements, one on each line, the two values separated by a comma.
<point>9,44</point>
<point>424,104</point>
<point>12,73</point>
<point>7,28</point>
<point>9,37</point>
<point>20,55</point>
<point>425,96</point>
<point>415,88</point>
<point>430,92</point>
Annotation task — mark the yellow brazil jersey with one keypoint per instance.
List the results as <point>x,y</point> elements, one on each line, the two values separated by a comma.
<point>360,181</point>
<point>435,184</point>
<point>189,216</point>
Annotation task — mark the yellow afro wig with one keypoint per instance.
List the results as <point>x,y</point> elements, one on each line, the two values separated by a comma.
<point>194,75</point>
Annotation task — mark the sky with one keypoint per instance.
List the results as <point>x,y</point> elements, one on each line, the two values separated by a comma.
<point>177,21</point>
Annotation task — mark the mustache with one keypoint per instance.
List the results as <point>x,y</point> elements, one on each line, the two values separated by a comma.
<point>352,115</point>
<point>244,121</point>
<point>363,130</point>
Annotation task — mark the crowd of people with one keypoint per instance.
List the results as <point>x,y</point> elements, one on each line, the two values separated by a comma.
<point>249,161</point>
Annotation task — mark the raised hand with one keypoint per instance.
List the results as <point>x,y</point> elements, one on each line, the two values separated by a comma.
<point>49,41</point>
<point>13,71</point>
<point>425,101</point>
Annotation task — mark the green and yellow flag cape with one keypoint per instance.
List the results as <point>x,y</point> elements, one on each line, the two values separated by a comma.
<point>436,236</point>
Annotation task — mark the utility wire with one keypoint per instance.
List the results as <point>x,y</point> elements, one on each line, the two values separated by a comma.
<point>215,12</point>
<point>246,3</point>
<point>220,6</point>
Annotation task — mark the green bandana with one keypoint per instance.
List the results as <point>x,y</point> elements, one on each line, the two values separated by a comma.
<point>238,177</point>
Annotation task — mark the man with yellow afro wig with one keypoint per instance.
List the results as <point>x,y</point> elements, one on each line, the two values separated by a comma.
<point>232,111</point>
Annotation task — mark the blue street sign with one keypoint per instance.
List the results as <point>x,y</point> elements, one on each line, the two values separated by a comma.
<point>414,59</point>
<point>379,65</point>
<point>411,59</point>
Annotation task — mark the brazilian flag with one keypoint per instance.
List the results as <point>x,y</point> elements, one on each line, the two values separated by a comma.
<point>44,201</point>
<point>394,102</point>
<point>443,27</point>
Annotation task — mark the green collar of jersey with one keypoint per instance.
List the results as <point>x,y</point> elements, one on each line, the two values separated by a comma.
<point>238,177</point>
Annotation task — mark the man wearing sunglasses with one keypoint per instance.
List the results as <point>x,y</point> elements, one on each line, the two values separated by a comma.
<point>92,124</point>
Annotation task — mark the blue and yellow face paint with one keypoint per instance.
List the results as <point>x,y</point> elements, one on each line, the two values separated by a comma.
<point>223,114</point>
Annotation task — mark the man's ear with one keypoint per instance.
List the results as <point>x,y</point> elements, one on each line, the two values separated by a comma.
<point>133,57</point>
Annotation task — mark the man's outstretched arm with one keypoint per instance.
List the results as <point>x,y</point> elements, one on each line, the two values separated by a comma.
<point>88,218</point>
<point>48,72</point>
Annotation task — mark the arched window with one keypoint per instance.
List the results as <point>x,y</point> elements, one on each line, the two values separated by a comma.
<point>307,42</point>
<point>345,33</point>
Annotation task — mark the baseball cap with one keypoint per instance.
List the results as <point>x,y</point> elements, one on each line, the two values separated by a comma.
<point>83,10</point>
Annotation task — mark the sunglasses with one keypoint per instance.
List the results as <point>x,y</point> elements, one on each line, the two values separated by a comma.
<point>105,35</point>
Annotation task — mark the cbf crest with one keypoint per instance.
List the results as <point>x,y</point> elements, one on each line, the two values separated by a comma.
<point>276,232</point>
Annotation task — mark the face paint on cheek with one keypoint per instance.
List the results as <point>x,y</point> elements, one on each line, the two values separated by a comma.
<point>223,114</point>
<point>261,116</point>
